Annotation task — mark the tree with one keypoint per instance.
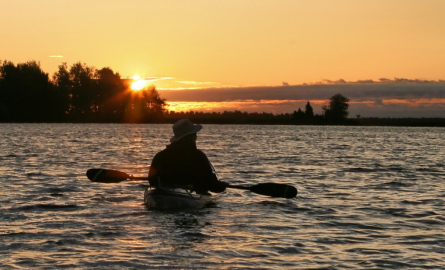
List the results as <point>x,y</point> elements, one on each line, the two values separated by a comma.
<point>298,115</point>
<point>62,82</point>
<point>155,104</point>
<point>79,93</point>
<point>109,95</point>
<point>8,78</point>
<point>337,109</point>
<point>309,112</point>
<point>144,106</point>
<point>82,90</point>
<point>26,93</point>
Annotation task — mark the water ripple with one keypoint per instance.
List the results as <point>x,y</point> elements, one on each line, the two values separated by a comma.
<point>369,198</point>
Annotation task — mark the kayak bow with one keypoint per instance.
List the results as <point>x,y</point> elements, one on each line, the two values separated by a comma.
<point>178,198</point>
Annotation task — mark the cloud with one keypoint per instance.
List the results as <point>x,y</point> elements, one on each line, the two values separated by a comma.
<point>197,83</point>
<point>394,99</point>
<point>378,102</point>
<point>394,110</point>
<point>147,79</point>
<point>56,56</point>
<point>357,92</point>
<point>381,80</point>
<point>153,79</point>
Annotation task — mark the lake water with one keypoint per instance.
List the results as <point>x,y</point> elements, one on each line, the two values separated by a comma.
<point>369,198</point>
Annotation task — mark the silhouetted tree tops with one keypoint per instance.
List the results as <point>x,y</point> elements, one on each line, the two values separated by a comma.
<point>337,109</point>
<point>305,117</point>
<point>26,93</point>
<point>79,93</point>
<point>309,112</point>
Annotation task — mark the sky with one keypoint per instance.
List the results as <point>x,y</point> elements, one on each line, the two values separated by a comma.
<point>237,45</point>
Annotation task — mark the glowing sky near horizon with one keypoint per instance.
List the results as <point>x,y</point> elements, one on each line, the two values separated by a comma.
<point>411,107</point>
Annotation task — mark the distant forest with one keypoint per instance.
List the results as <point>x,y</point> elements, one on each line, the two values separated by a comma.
<point>84,94</point>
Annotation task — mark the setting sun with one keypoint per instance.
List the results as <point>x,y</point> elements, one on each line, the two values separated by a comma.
<point>138,84</point>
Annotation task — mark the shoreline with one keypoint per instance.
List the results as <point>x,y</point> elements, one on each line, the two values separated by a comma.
<point>365,122</point>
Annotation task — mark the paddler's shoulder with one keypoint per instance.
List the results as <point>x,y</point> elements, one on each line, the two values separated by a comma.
<point>200,152</point>
<point>201,155</point>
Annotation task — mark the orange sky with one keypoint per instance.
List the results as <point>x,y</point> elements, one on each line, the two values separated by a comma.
<point>231,43</point>
<point>227,44</point>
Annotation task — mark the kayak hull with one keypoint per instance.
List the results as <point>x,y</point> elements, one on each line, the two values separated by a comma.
<point>165,199</point>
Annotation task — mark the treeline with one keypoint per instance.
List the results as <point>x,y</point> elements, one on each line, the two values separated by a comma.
<point>79,93</point>
<point>238,117</point>
<point>335,112</point>
<point>84,94</point>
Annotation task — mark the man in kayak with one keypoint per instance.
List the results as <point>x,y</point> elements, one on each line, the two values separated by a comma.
<point>182,164</point>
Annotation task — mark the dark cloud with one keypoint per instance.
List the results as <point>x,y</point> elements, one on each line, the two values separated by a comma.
<point>397,98</point>
<point>366,81</point>
<point>397,110</point>
<point>378,101</point>
<point>355,92</point>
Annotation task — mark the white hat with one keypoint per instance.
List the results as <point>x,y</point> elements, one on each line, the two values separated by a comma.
<point>183,128</point>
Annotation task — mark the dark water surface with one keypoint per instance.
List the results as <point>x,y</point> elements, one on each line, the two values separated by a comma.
<point>369,198</point>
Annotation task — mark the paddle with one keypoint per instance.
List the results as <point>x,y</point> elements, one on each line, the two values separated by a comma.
<point>267,189</point>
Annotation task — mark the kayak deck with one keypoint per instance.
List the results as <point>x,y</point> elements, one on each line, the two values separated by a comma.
<point>164,199</point>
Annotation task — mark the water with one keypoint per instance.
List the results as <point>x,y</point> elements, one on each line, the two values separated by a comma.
<point>369,198</point>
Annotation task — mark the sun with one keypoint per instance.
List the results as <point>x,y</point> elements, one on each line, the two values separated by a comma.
<point>137,83</point>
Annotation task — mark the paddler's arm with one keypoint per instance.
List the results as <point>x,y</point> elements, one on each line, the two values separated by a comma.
<point>153,173</point>
<point>218,186</point>
<point>208,180</point>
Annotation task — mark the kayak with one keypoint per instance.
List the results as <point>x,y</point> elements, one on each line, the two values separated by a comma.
<point>175,198</point>
<point>171,198</point>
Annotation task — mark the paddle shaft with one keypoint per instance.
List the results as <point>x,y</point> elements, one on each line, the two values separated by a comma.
<point>139,178</point>
<point>268,189</point>
<point>142,178</point>
<point>238,187</point>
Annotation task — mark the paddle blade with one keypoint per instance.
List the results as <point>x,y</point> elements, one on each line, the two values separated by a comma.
<point>275,190</point>
<point>106,176</point>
